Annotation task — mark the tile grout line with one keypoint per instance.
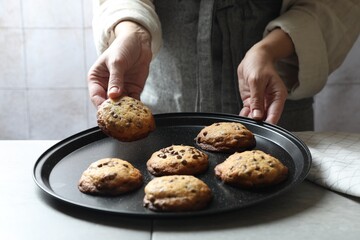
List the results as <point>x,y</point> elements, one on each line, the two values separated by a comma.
<point>25,71</point>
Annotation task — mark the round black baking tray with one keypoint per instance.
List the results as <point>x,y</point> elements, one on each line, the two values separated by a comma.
<point>58,170</point>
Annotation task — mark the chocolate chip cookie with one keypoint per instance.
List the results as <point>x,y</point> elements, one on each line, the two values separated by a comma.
<point>177,159</point>
<point>225,137</point>
<point>251,169</point>
<point>110,176</point>
<point>176,193</point>
<point>125,119</point>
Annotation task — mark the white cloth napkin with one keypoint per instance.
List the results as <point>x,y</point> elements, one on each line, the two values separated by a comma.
<point>336,160</point>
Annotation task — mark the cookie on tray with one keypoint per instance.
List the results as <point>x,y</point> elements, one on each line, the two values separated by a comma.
<point>251,169</point>
<point>225,137</point>
<point>110,176</point>
<point>126,119</point>
<point>176,193</point>
<point>179,160</point>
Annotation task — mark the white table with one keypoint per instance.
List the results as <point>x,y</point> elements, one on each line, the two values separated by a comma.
<point>306,212</point>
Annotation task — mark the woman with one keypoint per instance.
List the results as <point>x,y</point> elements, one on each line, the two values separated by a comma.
<point>257,58</point>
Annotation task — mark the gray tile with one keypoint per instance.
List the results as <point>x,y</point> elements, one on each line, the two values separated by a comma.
<point>88,13</point>
<point>90,58</point>
<point>57,114</point>
<point>55,58</point>
<point>349,71</point>
<point>52,13</point>
<point>90,50</point>
<point>10,14</point>
<point>13,118</point>
<point>337,108</point>
<point>92,120</point>
<point>12,59</point>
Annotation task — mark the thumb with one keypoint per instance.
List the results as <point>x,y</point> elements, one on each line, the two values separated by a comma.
<point>116,83</point>
<point>257,102</point>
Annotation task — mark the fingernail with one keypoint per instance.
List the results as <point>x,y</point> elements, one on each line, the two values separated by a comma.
<point>256,113</point>
<point>114,89</point>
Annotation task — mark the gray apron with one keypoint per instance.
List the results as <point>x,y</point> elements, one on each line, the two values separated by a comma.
<point>204,41</point>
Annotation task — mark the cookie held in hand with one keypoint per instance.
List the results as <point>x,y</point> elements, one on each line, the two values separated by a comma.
<point>251,169</point>
<point>125,119</point>
<point>176,193</point>
<point>225,137</point>
<point>110,176</point>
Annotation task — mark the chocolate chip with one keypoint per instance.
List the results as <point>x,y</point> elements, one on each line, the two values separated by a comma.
<point>173,152</point>
<point>109,177</point>
<point>219,139</point>
<point>161,155</point>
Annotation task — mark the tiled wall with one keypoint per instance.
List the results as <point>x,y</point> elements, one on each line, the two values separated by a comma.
<point>337,106</point>
<point>46,49</point>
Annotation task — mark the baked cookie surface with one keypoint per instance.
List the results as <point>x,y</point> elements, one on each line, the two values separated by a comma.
<point>251,169</point>
<point>125,119</point>
<point>110,176</point>
<point>179,160</point>
<point>225,137</point>
<point>176,193</point>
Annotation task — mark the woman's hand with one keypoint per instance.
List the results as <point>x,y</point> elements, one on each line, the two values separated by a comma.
<point>123,68</point>
<point>262,90</point>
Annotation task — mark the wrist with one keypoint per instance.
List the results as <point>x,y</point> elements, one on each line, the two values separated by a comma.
<point>129,27</point>
<point>264,51</point>
<point>277,45</point>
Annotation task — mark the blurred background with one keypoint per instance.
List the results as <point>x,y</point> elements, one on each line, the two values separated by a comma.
<point>46,49</point>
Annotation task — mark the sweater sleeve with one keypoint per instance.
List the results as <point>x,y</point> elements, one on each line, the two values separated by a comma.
<point>108,13</point>
<point>323,32</point>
